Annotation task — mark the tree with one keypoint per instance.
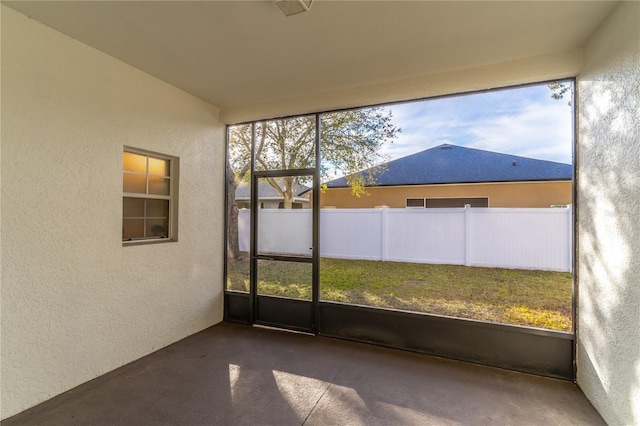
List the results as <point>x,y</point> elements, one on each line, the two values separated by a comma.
<point>350,142</point>
<point>238,168</point>
<point>559,89</point>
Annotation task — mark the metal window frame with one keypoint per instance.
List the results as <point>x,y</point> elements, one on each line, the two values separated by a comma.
<point>543,352</point>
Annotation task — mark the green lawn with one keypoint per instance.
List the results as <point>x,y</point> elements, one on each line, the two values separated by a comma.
<point>532,298</point>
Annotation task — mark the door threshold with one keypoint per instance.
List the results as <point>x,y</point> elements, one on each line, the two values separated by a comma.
<point>288,330</point>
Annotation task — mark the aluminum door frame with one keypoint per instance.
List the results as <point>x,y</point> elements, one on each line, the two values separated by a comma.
<point>294,314</point>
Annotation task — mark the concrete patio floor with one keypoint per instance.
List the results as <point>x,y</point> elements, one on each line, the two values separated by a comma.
<point>233,374</point>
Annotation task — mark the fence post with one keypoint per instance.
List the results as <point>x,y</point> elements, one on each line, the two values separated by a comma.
<point>570,223</point>
<point>383,235</point>
<point>467,232</point>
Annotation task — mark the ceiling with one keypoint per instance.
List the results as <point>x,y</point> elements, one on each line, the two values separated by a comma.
<point>235,53</point>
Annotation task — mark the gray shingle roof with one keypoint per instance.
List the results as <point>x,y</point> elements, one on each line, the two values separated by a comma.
<point>456,164</point>
<point>265,191</point>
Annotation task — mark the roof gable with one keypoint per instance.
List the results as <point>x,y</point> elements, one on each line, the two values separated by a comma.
<point>446,164</point>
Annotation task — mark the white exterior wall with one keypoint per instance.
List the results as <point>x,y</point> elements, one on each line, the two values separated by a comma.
<point>608,263</point>
<point>75,302</point>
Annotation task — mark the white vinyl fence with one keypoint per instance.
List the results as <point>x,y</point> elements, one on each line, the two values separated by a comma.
<point>515,238</point>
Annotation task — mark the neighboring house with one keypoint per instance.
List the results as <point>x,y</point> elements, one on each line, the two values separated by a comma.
<point>269,197</point>
<point>452,176</point>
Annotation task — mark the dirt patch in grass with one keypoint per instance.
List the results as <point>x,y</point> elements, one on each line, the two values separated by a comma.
<point>531,298</point>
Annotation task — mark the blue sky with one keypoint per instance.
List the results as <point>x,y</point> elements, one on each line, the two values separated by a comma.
<point>523,121</point>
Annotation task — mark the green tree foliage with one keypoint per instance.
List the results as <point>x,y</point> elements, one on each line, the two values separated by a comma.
<point>351,141</point>
<point>559,89</point>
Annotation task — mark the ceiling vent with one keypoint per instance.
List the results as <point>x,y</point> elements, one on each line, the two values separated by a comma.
<point>293,7</point>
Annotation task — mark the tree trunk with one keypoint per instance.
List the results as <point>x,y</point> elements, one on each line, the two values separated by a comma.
<point>233,243</point>
<point>288,193</point>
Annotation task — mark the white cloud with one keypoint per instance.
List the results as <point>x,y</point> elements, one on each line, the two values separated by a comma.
<point>538,131</point>
<point>522,121</point>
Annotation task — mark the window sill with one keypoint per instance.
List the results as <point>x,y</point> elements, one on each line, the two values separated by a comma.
<point>147,242</point>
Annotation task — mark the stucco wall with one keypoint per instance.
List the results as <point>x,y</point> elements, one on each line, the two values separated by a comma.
<point>608,352</point>
<point>75,302</point>
<point>531,194</point>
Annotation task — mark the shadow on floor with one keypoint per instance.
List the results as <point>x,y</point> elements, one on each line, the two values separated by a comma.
<point>234,374</point>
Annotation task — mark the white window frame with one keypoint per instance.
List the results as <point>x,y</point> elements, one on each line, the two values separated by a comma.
<point>172,221</point>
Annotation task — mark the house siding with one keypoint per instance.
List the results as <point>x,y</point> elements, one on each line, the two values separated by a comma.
<point>524,194</point>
